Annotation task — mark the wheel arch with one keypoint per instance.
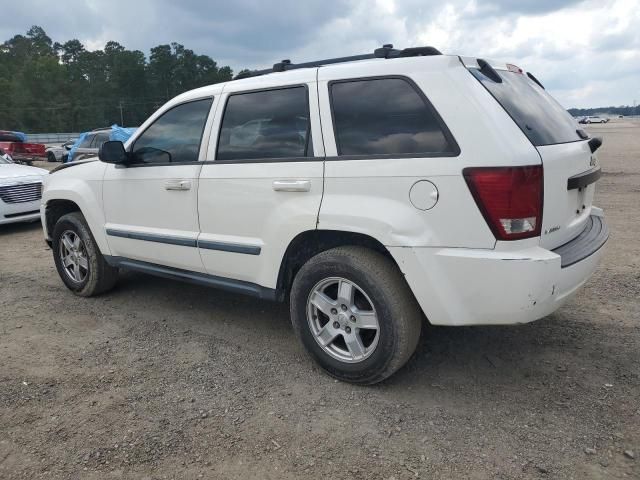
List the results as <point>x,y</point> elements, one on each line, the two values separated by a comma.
<point>309,243</point>
<point>54,210</point>
<point>57,206</point>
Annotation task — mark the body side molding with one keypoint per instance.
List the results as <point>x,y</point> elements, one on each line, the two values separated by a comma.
<point>228,284</point>
<point>187,242</point>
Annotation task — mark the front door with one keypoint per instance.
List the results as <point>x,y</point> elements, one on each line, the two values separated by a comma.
<point>263,183</point>
<point>150,204</point>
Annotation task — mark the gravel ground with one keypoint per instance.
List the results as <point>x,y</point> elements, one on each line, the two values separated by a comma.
<point>160,379</point>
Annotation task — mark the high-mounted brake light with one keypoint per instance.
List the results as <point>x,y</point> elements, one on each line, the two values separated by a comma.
<point>514,68</point>
<point>510,199</point>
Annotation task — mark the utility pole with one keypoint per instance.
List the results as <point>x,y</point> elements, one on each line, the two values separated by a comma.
<point>120,106</point>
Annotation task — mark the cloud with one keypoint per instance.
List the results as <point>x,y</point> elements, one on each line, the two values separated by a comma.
<point>529,6</point>
<point>587,53</point>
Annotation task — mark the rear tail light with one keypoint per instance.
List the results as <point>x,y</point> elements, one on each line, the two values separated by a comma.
<point>510,199</point>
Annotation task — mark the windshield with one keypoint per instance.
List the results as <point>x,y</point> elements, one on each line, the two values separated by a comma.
<point>543,120</point>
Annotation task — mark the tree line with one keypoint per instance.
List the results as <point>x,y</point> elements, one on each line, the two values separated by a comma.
<point>47,86</point>
<point>623,110</point>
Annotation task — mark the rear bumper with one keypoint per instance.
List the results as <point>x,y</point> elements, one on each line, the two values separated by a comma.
<point>592,238</point>
<point>456,286</point>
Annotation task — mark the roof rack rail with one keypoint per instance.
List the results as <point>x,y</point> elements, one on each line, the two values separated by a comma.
<point>386,51</point>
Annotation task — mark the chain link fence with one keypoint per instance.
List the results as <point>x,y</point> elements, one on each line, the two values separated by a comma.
<point>51,137</point>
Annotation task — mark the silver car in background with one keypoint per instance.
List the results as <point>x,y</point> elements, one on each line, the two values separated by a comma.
<point>91,143</point>
<point>593,119</point>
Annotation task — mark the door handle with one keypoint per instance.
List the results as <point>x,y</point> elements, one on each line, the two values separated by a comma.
<point>292,185</point>
<point>177,185</point>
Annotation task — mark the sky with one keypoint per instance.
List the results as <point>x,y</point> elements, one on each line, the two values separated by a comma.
<point>587,53</point>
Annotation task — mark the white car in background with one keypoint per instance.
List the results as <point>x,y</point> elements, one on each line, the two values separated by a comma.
<point>58,153</point>
<point>594,119</point>
<point>20,191</point>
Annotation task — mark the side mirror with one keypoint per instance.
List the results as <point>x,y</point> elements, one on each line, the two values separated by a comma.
<point>113,152</point>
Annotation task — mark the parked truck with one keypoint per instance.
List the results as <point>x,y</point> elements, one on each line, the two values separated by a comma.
<point>14,144</point>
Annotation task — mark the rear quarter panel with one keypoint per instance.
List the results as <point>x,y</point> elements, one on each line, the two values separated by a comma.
<point>372,196</point>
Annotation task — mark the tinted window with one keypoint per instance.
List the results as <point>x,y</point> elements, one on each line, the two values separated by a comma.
<point>86,141</point>
<point>543,120</point>
<point>99,139</point>
<point>383,117</point>
<point>174,137</point>
<point>268,124</point>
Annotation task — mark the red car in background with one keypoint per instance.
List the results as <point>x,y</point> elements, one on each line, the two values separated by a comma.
<point>19,150</point>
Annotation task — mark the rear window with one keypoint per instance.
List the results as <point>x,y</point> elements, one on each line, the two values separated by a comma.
<point>543,120</point>
<point>386,116</point>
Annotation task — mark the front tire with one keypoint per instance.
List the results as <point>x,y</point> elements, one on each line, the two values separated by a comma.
<point>355,315</point>
<point>77,257</point>
<point>51,157</point>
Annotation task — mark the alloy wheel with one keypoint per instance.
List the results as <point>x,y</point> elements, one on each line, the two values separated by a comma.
<point>73,256</point>
<point>343,320</point>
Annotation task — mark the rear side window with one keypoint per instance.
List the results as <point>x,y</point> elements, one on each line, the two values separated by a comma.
<point>175,136</point>
<point>386,116</point>
<point>266,124</point>
<point>99,139</point>
<point>543,120</point>
<point>86,142</point>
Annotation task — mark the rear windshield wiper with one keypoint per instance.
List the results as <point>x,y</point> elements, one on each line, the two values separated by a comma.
<point>530,75</point>
<point>488,71</point>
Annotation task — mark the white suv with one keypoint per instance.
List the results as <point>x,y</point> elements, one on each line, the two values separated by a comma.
<point>594,120</point>
<point>367,191</point>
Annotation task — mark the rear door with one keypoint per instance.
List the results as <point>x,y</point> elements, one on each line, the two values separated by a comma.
<point>562,146</point>
<point>262,182</point>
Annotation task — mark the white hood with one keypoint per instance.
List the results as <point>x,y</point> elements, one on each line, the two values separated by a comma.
<point>13,171</point>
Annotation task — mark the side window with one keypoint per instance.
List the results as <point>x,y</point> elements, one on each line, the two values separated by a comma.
<point>99,139</point>
<point>266,124</point>
<point>175,137</point>
<point>385,116</point>
<point>86,141</point>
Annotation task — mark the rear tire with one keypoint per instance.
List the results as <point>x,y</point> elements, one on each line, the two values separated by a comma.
<point>77,257</point>
<point>51,157</point>
<point>375,334</point>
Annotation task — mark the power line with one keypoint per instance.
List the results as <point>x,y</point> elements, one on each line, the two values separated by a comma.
<point>85,107</point>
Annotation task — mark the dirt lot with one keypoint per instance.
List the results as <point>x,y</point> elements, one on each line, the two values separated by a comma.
<point>160,379</point>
